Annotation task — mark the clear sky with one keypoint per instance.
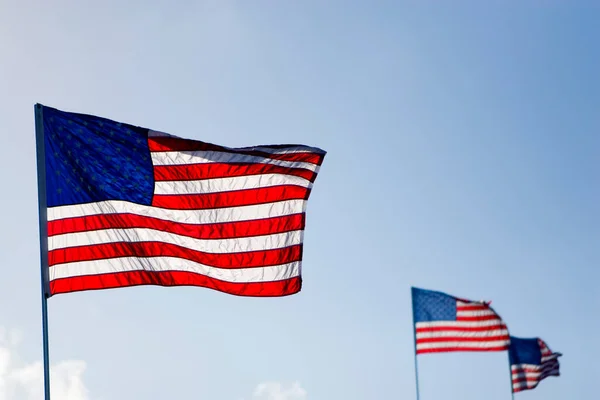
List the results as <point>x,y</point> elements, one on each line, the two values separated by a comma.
<point>463,156</point>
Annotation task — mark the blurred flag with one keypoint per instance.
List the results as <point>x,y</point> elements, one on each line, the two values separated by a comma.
<point>531,361</point>
<point>446,323</point>
<point>130,206</point>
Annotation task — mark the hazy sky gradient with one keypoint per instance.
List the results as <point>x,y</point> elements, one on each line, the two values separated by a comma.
<point>463,144</point>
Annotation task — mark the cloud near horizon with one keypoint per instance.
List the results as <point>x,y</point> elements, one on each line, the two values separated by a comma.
<point>24,381</point>
<point>277,391</point>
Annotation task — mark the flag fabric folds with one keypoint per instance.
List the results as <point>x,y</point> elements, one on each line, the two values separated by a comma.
<point>531,361</point>
<point>130,206</point>
<point>444,323</point>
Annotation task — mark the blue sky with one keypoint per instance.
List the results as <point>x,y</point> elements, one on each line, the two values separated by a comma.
<point>463,144</point>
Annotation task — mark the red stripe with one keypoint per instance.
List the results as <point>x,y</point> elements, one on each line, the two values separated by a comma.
<point>522,370</point>
<point>465,329</point>
<point>231,199</point>
<point>524,379</point>
<point>462,339</point>
<point>202,231</point>
<point>529,386</point>
<point>250,259</point>
<point>164,143</point>
<point>174,278</point>
<point>223,170</point>
<point>545,367</point>
<point>477,318</point>
<point>536,380</point>
<point>450,349</point>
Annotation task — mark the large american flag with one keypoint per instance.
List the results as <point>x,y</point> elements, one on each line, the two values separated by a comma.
<point>444,323</point>
<point>130,206</point>
<point>531,361</point>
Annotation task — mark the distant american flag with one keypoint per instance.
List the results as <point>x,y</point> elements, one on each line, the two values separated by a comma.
<point>129,206</point>
<point>444,323</point>
<point>531,361</point>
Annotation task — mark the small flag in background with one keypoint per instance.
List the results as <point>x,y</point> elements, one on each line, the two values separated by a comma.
<point>445,323</point>
<point>531,360</point>
<point>130,206</point>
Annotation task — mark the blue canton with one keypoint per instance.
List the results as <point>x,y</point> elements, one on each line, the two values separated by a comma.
<point>524,351</point>
<point>429,306</point>
<point>90,159</point>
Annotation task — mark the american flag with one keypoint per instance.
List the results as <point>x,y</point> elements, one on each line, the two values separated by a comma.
<point>531,361</point>
<point>445,323</point>
<point>130,206</point>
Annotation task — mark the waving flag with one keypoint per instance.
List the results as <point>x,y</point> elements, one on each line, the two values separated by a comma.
<point>130,206</point>
<point>445,323</point>
<point>531,361</point>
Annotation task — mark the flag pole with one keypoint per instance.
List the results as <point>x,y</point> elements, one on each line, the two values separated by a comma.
<point>512,392</point>
<point>416,363</point>
<point>417,372</point>
<point>43,231</point>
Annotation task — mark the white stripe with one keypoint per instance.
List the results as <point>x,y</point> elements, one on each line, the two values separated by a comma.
<point>229,184</point>
<point>536,368</point>
<point>516,367</point>
<point>205,157</point>
<point>462,344</point>
<point>523,383</point>
<point>216,246</point>
<point>285,150</point>
<point>466,334</point>
<point>157,264</point>
<point>459,324</point>
<point>530,374</point>
<point>553,356</point>
<point>526,385</point>
<point>230,214</point>
<point>479,313</point>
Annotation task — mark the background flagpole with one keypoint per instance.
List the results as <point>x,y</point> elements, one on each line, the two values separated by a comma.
<point>512,392</point>
<point>417,371</point>
<point>416,363</point>
<point>41,171</point>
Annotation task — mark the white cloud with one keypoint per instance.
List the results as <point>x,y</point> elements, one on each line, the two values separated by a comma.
<point>23,381</point>
<point>277,391</point>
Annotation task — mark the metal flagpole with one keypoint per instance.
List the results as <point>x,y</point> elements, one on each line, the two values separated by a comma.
<point>417,371</point>
<point>512,392</point>
<point>41,171</point>
<point>416,363</point>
